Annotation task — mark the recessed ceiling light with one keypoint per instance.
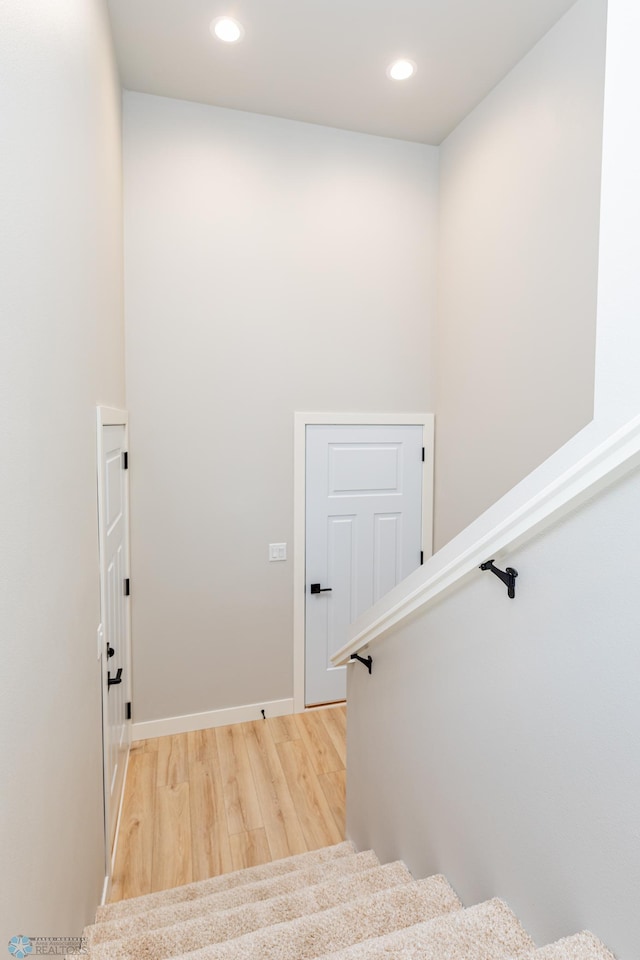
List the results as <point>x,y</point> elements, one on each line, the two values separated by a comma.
<point>227,29</point>
<point>401,69</point>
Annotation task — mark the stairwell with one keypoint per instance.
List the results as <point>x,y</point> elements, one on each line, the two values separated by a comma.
<point>332,902</point>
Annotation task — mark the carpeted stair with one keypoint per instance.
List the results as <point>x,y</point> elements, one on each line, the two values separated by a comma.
<point>331,904</point>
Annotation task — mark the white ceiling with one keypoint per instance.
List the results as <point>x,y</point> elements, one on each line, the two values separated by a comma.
<point>324,61</point>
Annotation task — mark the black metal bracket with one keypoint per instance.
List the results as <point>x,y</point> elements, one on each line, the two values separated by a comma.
<point>507,576</point>
<point>111,681</point>
<point>368,661</point>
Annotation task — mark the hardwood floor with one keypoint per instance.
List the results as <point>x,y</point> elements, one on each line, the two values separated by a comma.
<point>199,804</point>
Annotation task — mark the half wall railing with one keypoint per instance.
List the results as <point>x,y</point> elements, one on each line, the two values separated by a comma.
<point>606,463</point>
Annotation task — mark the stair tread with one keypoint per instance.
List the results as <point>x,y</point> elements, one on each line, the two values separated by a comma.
<point>248,893</point>
<point>212,928</point>
<point>486,931</point>
<point>123,908</point>
<point>581,946</point>
<point>313,936</point>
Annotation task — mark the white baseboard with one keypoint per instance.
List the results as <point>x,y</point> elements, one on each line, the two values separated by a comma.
<point>211,718</point>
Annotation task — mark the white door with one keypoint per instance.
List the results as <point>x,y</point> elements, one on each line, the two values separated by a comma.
<point>363,534</point>
<point>115,590</point>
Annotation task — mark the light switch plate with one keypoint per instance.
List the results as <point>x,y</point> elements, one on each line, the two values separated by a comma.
<point>277,551</point>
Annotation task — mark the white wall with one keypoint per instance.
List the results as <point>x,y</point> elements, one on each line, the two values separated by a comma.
<point>518,259</point>
<point>618,336</point>
<point>61,351</point>
<point>507,737</point>
<point>271,266</point>
<point>507,731</point>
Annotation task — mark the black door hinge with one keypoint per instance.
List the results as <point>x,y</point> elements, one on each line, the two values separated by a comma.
<point>127,587</point>
<point>125,459</point>
<point>421,557</point>
<point>127,710</point>
<point>423,454</point>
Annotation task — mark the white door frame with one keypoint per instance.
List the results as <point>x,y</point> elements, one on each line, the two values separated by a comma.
<point>301,421</point>
<point>107,417</point>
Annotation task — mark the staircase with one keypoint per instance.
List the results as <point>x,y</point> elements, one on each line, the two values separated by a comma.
<point>332,903</point>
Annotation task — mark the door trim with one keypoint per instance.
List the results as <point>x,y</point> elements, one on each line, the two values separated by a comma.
<point>111,417</point>
<point>301,421</point>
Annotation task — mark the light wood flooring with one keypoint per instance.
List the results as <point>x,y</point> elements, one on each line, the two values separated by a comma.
<point>199,804</point>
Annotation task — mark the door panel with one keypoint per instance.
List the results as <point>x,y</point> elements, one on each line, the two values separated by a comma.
<point>113,524</point>
<point>387,552</point>
<point>364,534</point>
<point>364,468</point>
<point>342,568</point>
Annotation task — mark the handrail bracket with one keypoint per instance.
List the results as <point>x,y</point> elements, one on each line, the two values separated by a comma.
<point>508,576</point>
<point>367,661</point>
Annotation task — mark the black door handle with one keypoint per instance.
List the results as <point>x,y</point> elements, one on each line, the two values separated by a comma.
<point>111,681</point>
<point>316,588</point>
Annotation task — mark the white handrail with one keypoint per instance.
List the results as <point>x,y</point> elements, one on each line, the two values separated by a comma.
<point>614,457</point>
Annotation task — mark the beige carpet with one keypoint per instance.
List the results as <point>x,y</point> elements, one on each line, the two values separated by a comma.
<point>247,893</point>
<point>331,903</point>
<point>582,946</point>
